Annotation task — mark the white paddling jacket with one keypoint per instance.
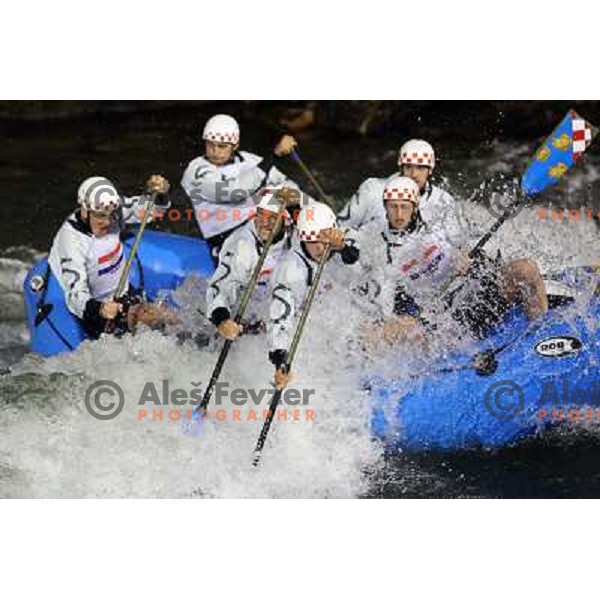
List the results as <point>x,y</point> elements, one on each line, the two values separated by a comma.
<point>224,197</point>
<point>237,260</point>
<point>405,267</point>
<point>89,268</point>
<point>292,280</point>
<point>437,208</point>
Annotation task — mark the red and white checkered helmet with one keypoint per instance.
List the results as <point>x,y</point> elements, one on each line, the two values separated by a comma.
<point>98,193</point>
<point>401,188</point>
<point>313,219</point>
<point>222,128</point>
<point>417,152</point>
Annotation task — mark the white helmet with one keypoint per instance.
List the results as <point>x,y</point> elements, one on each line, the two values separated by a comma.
<point>98,193</point>
<point>269,201</point>
<point>313,219</point>
<point>401,188</point>
<point>222,128</point>
<point>417,152</point>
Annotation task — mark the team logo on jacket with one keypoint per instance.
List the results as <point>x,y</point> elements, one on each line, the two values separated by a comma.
<point>110,261</point>
<point>556,347</point>
<point>427,265</point>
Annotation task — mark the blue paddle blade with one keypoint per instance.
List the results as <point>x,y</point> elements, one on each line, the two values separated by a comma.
<point>561,150</point>
<point>194,427</point>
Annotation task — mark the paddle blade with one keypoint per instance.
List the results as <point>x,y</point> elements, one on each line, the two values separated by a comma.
<point>195,426</point>
<point>561,150</point>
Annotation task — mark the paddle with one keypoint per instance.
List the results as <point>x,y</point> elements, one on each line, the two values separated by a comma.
<point>124,279</point>
<point>324,197</point>
<point>134,248</point>
<point>241,311</point>
<point>301,320</point>
<point>291,354</point>
<point>557,155</point>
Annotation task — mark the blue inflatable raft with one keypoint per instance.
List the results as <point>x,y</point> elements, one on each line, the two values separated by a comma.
<point>453,408</point>
<point>530,377</point>
<point>163,261</point>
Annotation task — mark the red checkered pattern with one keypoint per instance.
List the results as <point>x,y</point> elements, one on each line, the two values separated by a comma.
<point>99,201</point>
<point>230,138</point>
<point>395,193</point>
<point>417,158</point>
<point>309,236</point>
<point>582,137</point>
<point>112,204</point>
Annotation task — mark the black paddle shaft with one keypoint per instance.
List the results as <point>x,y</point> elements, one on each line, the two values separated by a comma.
<point>486,238</point>
<point>301,322</point>
<point>215,375</point>
<point>241,310</point>
<point>267,424</point>
<point>286,367</point>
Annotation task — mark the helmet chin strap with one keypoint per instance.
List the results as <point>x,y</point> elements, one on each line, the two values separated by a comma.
<point>305,250</point>
<point>85,215</point>
<point>307,253</point>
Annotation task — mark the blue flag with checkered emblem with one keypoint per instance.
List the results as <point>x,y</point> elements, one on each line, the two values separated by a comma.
<point>561,150</point>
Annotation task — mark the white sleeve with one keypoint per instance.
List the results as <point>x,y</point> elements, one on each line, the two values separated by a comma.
<point>68,262</point>
<point>277,179</point>
<point>360,208</point>
<point>204,182</point>
<point>236,261</point>
<point>375,278</point>
<point>371,293</point>
<point>289,289</point>
<point>134,208</point>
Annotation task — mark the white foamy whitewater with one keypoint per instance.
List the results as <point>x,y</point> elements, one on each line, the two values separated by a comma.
<point>51,447</point>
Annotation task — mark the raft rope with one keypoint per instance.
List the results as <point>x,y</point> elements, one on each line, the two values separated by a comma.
<point>44,310</point>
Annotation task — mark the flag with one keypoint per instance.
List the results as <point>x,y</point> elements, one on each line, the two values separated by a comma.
<point>561,150</point>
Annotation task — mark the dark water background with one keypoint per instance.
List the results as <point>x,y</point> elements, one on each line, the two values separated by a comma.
<point>47,149</point>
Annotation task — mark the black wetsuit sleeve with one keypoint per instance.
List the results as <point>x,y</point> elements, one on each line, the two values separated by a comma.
<point>162,201</point>
<point>350,254</point>
<point>93,323</point>
<point>278,357</point>
<point>404,304</point>
<point>219,315</point>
